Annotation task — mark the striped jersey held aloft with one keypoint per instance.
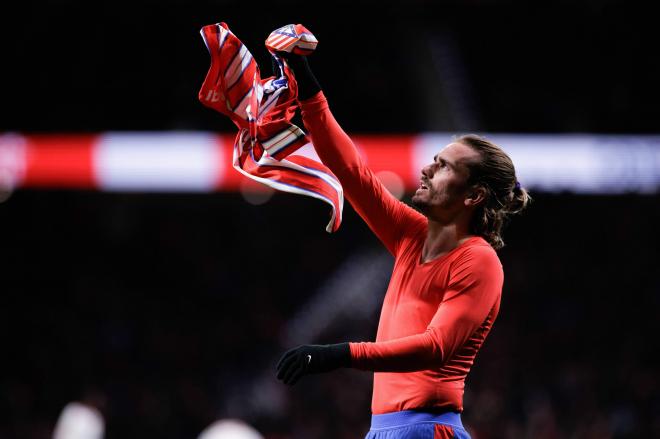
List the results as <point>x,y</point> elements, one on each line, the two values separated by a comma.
<point>262,109</point>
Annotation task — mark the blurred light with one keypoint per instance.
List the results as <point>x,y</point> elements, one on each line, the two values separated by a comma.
<point>230,429</point>
<point>6,185</point>
<point>158,161</point>
<point>393,183</point>
<point>79,421</point>
<point>179,161</point>
<point>582,164</point>
<point>12,163</point>
<point>255,193</point>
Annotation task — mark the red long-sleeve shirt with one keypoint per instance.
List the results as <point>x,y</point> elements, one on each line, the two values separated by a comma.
<point>435,315</point>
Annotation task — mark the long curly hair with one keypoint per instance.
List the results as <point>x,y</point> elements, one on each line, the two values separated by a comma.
<point>504,195</point>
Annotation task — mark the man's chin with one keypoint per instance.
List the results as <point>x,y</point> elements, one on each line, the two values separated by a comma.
<point>419,203</point>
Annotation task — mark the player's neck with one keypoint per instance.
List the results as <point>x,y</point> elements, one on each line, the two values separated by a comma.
<point>443,238</point>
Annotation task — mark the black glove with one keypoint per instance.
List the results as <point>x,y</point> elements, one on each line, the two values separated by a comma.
<point>307,359</point>
<point>308,85</point>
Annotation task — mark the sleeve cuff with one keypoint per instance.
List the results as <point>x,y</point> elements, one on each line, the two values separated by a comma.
<point>316,104</point>
<point>354,349</point>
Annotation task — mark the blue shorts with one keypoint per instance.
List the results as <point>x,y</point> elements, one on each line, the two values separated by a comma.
<point>413,424</point>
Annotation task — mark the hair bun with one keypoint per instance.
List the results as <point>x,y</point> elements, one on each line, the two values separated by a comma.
<point>519,199</point>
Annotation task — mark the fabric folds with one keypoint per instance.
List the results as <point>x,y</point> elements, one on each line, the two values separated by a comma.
<point>262,109</point>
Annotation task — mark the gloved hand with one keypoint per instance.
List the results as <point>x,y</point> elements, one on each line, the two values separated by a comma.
<point>308,85</point>
<point>307,359</point>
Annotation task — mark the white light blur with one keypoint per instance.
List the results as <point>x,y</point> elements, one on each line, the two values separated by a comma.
<point>158,162</point>
<point>230,429</point>
<point>12,163</point>
<point>393,182</point>
<point>6,185</point>
<point>254,193</point>
<point>79,421</point>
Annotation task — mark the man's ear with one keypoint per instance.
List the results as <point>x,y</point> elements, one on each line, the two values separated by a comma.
<point>476,195</point>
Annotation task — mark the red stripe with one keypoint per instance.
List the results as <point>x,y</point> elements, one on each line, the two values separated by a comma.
<point>63,161</point>
<point>389,153</point>
<point>231,177</point>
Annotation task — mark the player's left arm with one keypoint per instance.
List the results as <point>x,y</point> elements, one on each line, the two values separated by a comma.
<point>472,297</point>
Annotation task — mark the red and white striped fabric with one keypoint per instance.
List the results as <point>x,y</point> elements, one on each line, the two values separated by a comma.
<point>262,110</point>
<point>292,38</point>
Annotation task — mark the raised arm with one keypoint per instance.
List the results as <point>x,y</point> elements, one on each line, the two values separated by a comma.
<point>387,217</point>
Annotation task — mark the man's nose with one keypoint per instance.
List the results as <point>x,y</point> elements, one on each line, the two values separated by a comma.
<point>427,171</point>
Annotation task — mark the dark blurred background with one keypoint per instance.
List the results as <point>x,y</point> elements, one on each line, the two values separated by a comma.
<point>396,66</point>
<point>168,311</point>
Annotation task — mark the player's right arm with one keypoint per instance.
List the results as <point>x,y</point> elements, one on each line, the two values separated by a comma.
<point>387,217</point>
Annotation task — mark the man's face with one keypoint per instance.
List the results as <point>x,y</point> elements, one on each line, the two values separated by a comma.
<point>443,185</point>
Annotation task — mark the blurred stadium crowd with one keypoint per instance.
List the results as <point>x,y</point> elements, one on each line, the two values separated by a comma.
<point>166,312</point>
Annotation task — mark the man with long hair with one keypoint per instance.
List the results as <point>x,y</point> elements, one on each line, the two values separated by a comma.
<point>446,285</point>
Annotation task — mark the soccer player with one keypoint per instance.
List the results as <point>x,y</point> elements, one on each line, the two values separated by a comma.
<point>445,289</point>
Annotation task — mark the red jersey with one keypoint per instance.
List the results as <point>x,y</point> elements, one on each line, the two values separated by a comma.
<point>435,315</point>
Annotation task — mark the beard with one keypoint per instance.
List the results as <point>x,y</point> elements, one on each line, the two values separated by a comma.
<point>420,203</point>
<point>436,205</point>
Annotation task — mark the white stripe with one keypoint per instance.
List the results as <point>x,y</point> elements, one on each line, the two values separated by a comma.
<point>13,160</point>
<point>266,160</point>
<point>242,106</point>
<point>260,91</point>
<point>160,162</point>
<point>283,139</point>
<point>223,35</point>
<point>238,66</point>
<point>564,162</point>
<point>201,32</point>
<point>270,102</point>
<point>280,136</point>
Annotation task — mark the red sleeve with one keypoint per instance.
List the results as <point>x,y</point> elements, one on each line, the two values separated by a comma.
<point>387,217</point>
<point>474,289</point>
